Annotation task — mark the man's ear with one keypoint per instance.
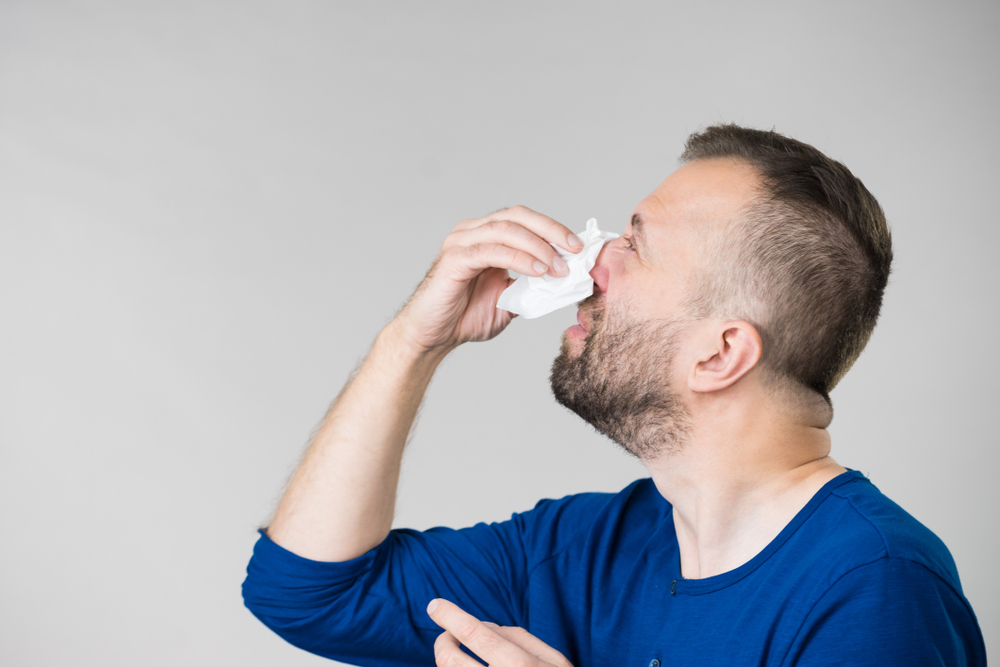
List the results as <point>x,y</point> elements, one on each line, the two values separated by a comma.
<point>733,350</point>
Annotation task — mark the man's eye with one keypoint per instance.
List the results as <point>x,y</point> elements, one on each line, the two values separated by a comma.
<point>628,242</point>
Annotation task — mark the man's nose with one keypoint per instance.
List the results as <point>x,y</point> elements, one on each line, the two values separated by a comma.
<point>601,273</point>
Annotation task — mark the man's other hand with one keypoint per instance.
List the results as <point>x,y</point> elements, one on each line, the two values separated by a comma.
<point>497,646</point>
<point>456,301</point>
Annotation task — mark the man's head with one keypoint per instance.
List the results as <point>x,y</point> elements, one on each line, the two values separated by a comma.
<point>759,264</point>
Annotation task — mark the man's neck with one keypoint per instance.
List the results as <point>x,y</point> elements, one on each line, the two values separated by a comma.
<point>735,484</point>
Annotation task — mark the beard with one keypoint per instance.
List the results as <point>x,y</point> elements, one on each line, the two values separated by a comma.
<point>620,382</point>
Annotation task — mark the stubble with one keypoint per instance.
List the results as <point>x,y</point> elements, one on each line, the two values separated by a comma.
<point>620,382</point>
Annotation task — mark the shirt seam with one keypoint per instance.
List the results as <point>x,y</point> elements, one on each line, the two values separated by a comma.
<point>888,554</point>
<point>887,558</point>
<point>580,533</point>
<point>857,510</point>
<point>570,542</point>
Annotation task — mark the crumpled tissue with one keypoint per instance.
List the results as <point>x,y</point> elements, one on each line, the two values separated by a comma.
<point>532,297</point>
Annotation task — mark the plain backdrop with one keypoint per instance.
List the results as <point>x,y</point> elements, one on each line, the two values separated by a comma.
<point>209,209</point>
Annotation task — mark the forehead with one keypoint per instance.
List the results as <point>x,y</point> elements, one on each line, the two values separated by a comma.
<point>699,197</point>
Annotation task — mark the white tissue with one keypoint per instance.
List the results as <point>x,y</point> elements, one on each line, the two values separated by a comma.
<point>532,297</point>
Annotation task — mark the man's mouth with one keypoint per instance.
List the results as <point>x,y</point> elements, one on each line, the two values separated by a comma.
<point>578,330</point>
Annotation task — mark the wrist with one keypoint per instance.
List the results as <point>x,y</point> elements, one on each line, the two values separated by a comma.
<point>407,350</point>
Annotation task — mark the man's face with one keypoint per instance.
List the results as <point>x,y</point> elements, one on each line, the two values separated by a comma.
<point>623,370</point>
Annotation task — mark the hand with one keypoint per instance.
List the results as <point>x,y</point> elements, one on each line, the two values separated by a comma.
<point>498,646</point>
<point>456,302</point>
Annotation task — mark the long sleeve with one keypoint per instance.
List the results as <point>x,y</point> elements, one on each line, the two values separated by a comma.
<point>371,610</point>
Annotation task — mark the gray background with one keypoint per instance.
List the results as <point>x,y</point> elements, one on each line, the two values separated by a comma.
<point>209,210</point>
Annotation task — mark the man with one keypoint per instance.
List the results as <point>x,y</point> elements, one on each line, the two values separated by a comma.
<point>743,289</point>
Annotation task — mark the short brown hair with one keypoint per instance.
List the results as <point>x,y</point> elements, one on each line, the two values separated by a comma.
<point>806,262</point>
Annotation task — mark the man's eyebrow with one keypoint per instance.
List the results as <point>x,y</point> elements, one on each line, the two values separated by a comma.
<point>637,229</point>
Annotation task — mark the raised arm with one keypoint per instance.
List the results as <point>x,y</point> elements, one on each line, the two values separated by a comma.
<point>341,500</point>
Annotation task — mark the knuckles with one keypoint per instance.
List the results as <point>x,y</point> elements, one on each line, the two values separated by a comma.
<point>517,209</point>
<point>501,226</point>
<point>444,651</point>
<point>475,633</point>
<point>493,253</point>
<point>469,632</point>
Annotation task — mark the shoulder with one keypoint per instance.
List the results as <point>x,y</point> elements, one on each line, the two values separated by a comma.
<point>890,612</point>
<point>640,498</point>
<point>872,526</point>
<point>880,583</point>
<point>641,495</point>
<point>556,524</point>
<point>851,528</point>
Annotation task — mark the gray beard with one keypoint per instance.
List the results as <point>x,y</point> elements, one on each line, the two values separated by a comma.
<point>620,383</point>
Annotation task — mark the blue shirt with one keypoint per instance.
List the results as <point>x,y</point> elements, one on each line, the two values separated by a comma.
<point>851,580</point>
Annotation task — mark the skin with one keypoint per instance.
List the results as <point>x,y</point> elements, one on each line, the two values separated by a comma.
<point>495,644</point>
<point>341,500</point>
<point>736,464</point>
<point>748,464</point>
<point>620,382</point>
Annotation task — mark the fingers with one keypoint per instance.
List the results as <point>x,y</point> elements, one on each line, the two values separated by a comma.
<point>456,301</point>
<point>481,639</point>
<point>541,225</point>
<point>532,644</point>
<point>448,653</point>
<point>464,263</point>
<point>513,235</point>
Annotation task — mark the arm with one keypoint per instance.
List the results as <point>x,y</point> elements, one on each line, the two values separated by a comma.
<point>372,610</point>
<point>341,500</point>
<point>887,613</point>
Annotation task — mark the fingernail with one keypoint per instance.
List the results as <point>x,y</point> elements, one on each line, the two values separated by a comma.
<point>540,268</point>
<point>432,606</point>
<point>574,241</point>
<point>559,265</point>
<point>492,625</point>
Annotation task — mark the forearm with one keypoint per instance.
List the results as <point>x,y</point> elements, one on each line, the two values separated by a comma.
<point>341,500</point>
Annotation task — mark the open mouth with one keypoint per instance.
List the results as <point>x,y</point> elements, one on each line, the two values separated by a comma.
<point>578,330</point>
